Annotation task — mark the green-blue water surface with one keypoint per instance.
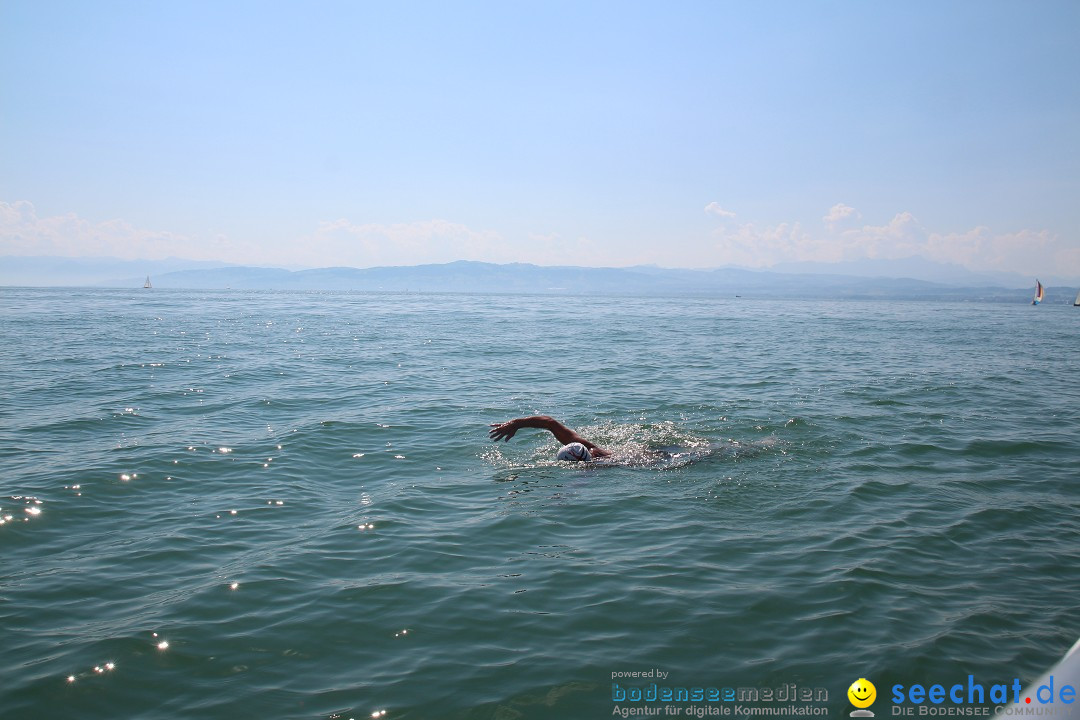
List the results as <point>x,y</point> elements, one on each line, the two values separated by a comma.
<point>284,505</point>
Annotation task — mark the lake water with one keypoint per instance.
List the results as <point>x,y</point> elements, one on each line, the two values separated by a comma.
<point>275,505</point>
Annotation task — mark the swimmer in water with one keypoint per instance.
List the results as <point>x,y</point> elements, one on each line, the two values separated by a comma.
<point>574,446</point>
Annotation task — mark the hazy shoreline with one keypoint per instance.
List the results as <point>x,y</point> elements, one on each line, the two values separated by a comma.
<point>479,277</point>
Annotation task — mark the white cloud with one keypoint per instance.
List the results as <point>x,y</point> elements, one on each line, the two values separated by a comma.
<point>1027,251</point>
<point>840,214</point>
<point>340,242</point>
<point>750,246</point>
<point>22,232</point>
<point>715,209</point>
<point>343,242</point>
<point>1032,252</point>
<point>902,237</point>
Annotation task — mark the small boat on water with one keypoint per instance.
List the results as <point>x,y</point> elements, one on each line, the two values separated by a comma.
<point>1039,293</point>
<point>1076,302</point>
<point>147,285</point>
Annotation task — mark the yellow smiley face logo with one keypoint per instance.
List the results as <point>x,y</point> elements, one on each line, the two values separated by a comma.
<point>862,693</point>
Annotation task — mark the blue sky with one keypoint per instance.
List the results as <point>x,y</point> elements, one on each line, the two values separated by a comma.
<point>602,134</point>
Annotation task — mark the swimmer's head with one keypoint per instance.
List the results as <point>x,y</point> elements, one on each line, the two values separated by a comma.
<point>574,452</point>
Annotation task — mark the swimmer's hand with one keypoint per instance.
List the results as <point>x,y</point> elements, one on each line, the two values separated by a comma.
<point>504,431</point>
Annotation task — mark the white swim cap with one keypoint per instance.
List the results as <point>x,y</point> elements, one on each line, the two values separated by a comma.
<point>574,451</point>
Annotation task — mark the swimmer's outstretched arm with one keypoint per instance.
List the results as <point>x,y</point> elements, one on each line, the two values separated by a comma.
<point>506,430</point>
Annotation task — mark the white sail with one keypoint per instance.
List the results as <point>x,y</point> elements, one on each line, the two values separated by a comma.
<point>147,285</point>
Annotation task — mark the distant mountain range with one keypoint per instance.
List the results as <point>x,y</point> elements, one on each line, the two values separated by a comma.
<point>916,268</point>
<point>467,276</point>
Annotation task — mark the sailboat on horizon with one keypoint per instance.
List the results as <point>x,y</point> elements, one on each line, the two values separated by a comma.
<point>1039,293</point>
<point>147,285</point>
<point>1076,302</point>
